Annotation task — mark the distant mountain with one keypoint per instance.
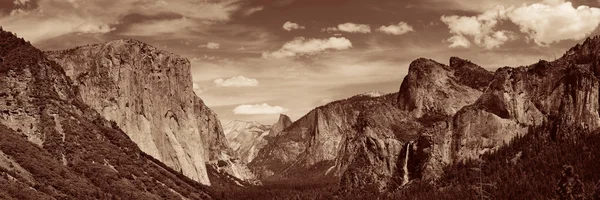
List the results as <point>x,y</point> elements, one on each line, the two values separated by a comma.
<point>247,138</point>
<point>373,93</point>
<point>54,146</point>
<point>148,93</point>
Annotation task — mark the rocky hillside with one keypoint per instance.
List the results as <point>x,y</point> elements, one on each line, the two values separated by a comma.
<point>311,146</point>
<point>565,91</point>
<point>55,146</point>
<point>148,93</point>
<point>442,115</point>
<point>364,140</point>
<point>248,138</point>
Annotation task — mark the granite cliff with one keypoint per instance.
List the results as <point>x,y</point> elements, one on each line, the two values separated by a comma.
<point>148,93</point>
<point>57,147</point>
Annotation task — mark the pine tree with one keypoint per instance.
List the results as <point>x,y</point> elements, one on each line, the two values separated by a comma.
<point>570,186</point>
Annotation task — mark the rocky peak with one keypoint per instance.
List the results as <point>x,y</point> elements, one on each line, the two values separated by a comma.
<point>283,122</point>
<point>148,93</point>
<point>432,87</point>
<point>587,52</point>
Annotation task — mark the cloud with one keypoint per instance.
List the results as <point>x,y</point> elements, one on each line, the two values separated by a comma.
<point>350,28</point>
<point>253,10</point>
<point>54,18</point>
<point>21,2</point>
<point>459,41</point>
<point>211,45</point>
<point>555,20</point>
<point>545,23</point>
<point>197,89</point>
<point>289,26</point>
<point>398,29</point>
<point>303,46</point>
<point>258,109</point>
<point>481,29</point>
<point>157,27</point>
<point>238,81</point>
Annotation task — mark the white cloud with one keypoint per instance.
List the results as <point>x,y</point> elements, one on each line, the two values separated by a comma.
<point>253,10</point>
<point>211,45</point>
<point>21,2</point>
<point>303,46</point>
<point>258,109</point>
<point>545,23</point>
<point>205,57</point>
<point>459,41</point>
<point>289,26</point>
<point>197,89</point>
<point>398,29</point>
<point>238,81</point>
<point>555,20</point>
<point>350,28</point>
<point>480,28</point>
<point>92,28</point>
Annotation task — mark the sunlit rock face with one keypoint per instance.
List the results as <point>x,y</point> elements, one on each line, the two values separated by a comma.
<point>431,88</point>
<point>309,147</point>
<point>148,93</point>
<point>53,139</point>
<point>244,137</point>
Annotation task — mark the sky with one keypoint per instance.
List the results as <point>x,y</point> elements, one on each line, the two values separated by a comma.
<point>254,59</point>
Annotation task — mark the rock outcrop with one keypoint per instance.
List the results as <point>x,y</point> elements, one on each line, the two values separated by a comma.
<point>148,93</point>
<point>70,150</point>
<point>431,88</point>
<point>282,123</point>
<point>564,92</point>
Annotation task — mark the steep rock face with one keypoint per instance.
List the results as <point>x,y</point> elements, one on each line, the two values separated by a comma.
<point>148,93</point>
<point>282,123</point>
<point>409,136</point>
<point>66,146</point>
<point>563,92</point>
<point>434,88</point>
<point>310,146</point>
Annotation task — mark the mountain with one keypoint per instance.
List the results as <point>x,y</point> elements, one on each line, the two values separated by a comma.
<point>363,140</point>
<point>55,146</point>
<point>282,123</point>
<point>443,115</point>
<point>148,93</point>
<point>565,91</point>
<point>309,147</point>
<point>247,138</point>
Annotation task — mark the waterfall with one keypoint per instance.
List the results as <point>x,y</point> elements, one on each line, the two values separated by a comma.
<point>405,168</point>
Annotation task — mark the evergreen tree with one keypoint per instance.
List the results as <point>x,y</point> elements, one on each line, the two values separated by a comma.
<point>570,186</point>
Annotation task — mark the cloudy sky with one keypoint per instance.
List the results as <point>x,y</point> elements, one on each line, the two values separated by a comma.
<point>254,59</point>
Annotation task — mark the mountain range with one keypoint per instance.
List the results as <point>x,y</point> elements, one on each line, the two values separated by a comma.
<point>121,120</point>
